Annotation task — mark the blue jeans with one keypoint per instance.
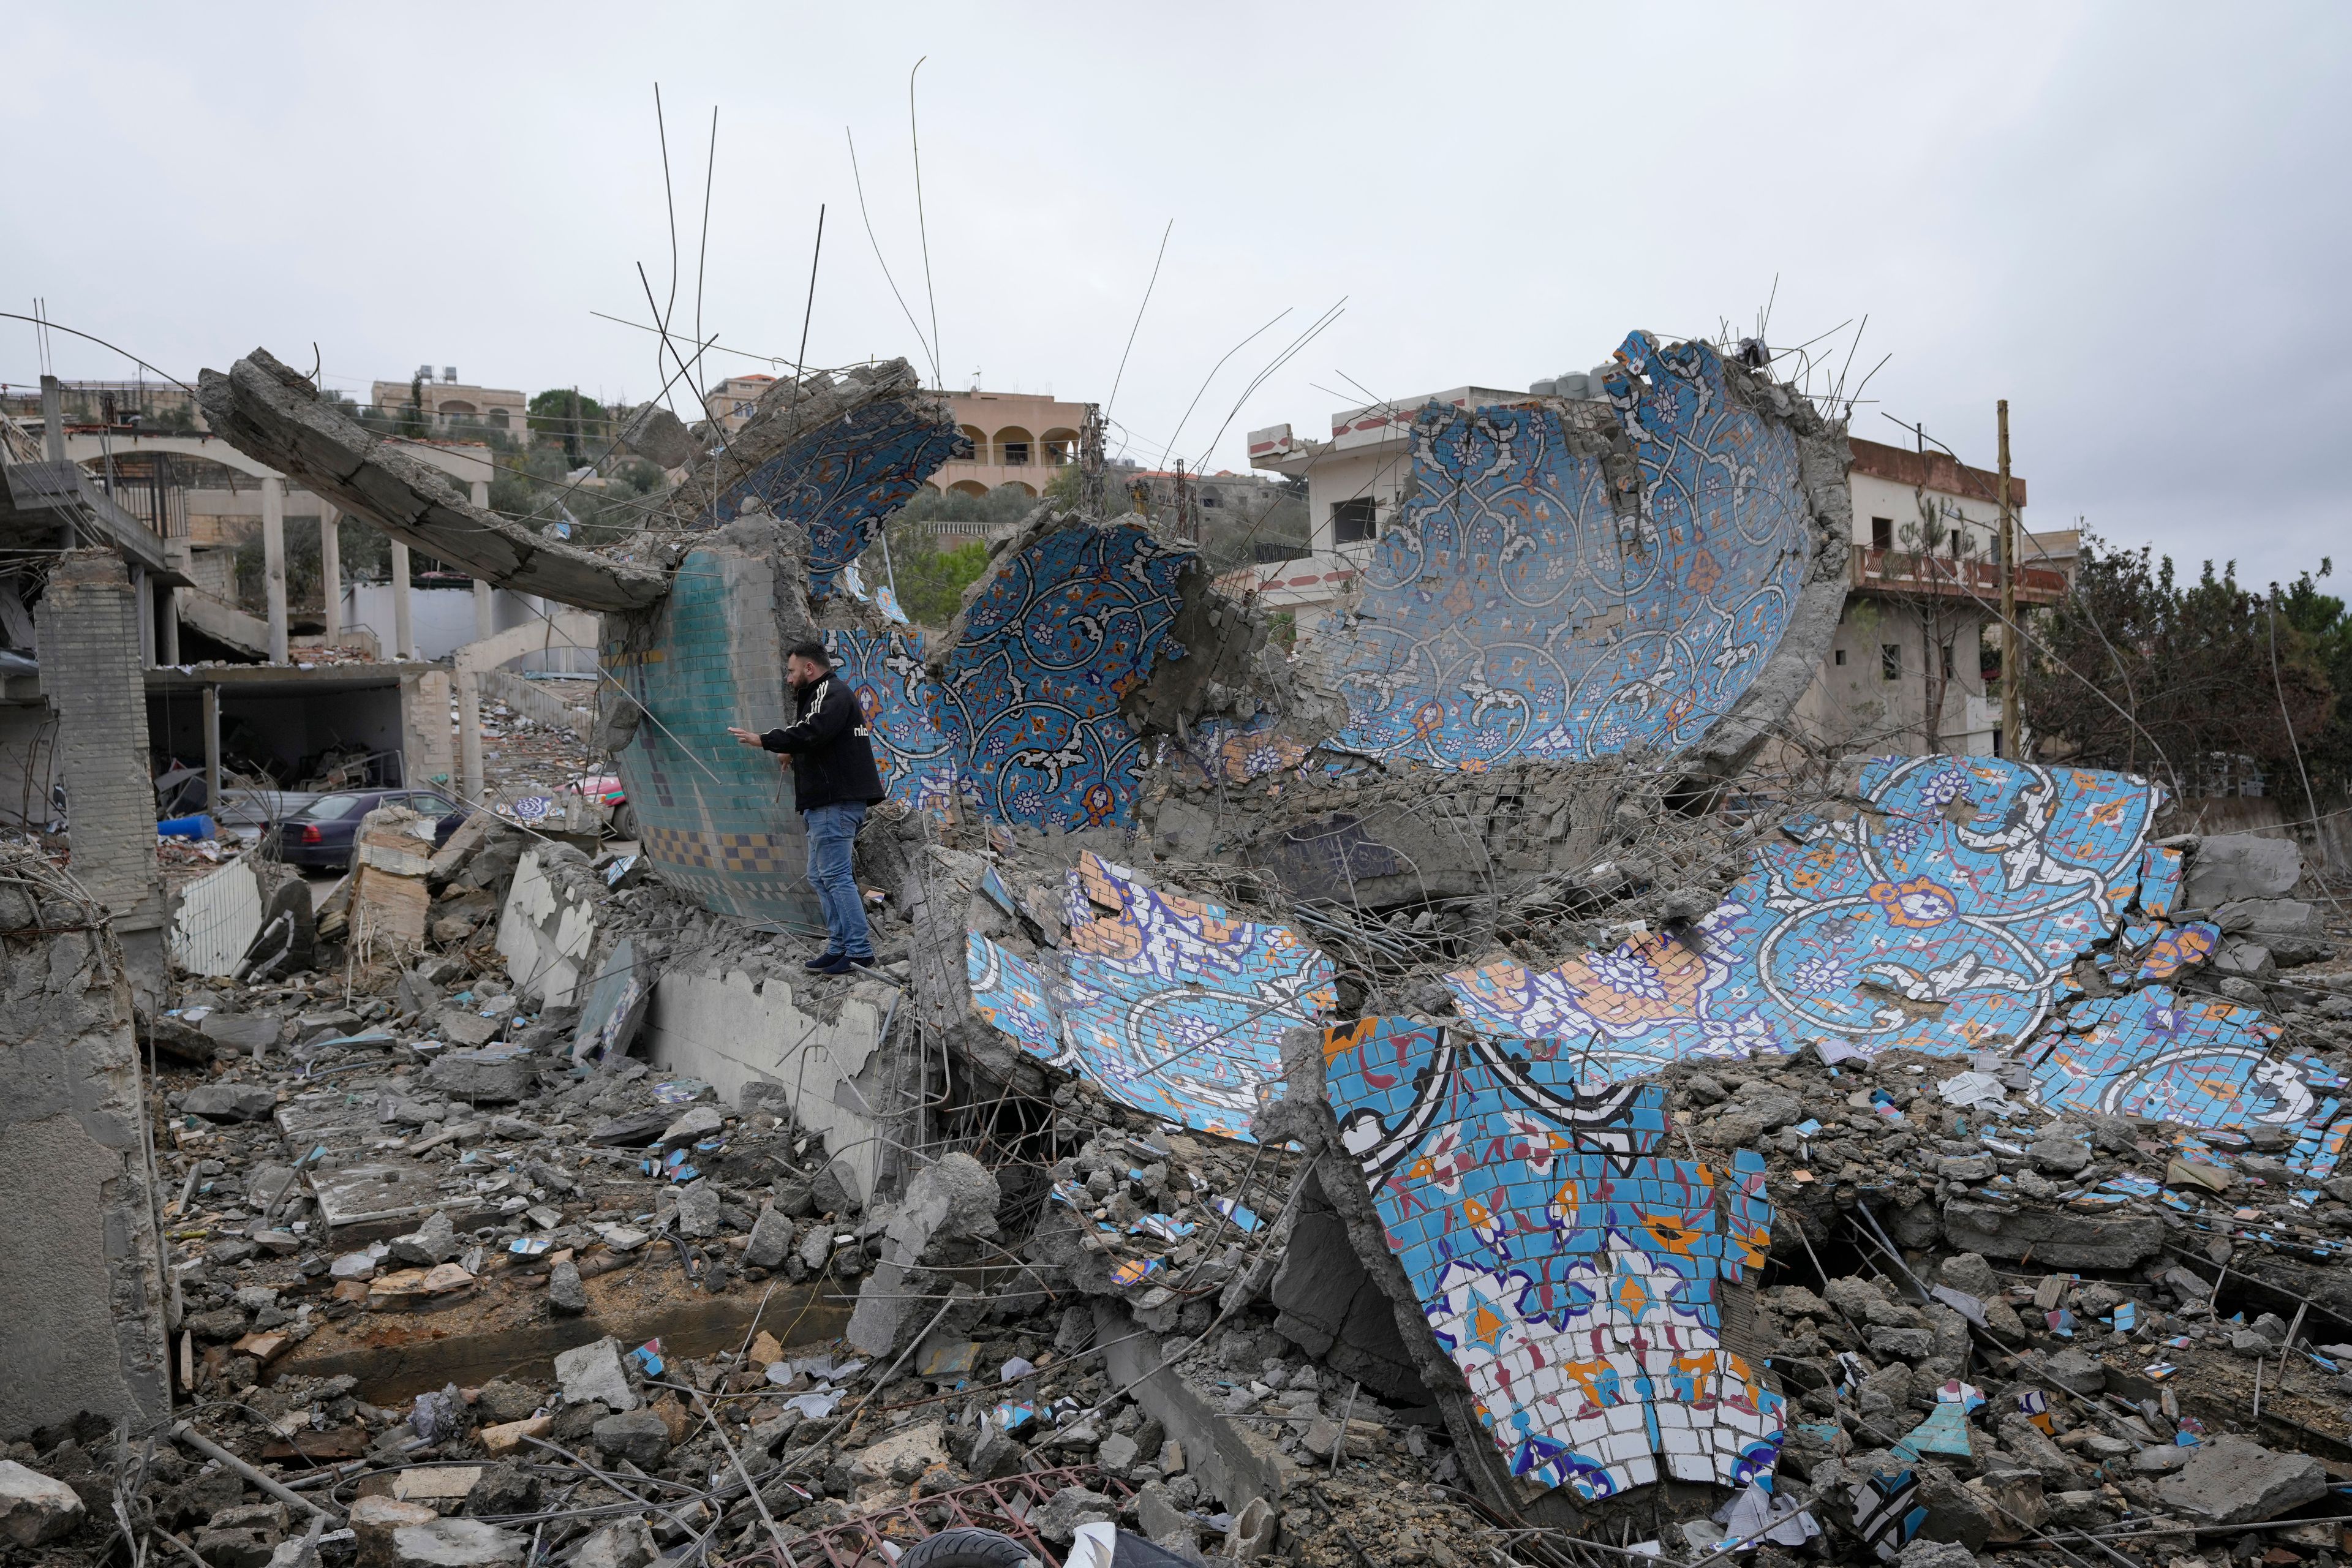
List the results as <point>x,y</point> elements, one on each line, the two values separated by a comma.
<point>832,829</point>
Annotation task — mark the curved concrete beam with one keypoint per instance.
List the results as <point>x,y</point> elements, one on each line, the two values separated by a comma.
<point>273,415</point>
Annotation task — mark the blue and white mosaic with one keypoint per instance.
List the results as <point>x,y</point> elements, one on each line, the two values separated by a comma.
<point>1941,919</point>
<point>842,479</point>
<point>1565,1264</point>
<point>1170,1004</point>
<point>1029,697</point>
<point>1517,608</point>
<point>894,691</point>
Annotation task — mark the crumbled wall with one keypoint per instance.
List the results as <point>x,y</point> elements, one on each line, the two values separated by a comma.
<point>81,1290</point>
<point>88,630</point>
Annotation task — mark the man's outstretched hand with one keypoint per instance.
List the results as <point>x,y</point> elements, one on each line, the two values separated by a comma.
<point>744,737</point>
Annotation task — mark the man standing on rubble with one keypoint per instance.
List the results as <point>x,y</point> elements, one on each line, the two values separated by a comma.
<point>833,781</point>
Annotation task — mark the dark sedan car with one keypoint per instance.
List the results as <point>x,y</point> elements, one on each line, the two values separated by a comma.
<point>318,836</point>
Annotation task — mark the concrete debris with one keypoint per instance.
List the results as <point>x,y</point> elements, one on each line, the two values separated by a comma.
<point>2232,1481</point>
<point>1250,1135</point>
<point>34,1509</point>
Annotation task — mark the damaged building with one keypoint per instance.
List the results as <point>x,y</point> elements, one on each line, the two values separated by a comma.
<point>1412,1101</point>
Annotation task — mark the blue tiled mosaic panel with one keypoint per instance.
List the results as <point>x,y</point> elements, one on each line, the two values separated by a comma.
<point>1511,611</point>
<point>1029,700</point>
<point>1171,1006</point>
<point>2196,1060</point>
<point>1566,1265</point>
<point>1970,889</point>
<point>717,819</point>
<point>843,479</point>
<point>894,691</point>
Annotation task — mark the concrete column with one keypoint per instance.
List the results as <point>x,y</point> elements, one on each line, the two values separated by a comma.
<point>90,673</point>
<point>212,751</point>
<point>273,558</point>
<point>469,733</point>
<point>331,572</point>
<point>171,649</point>
<point>404,640</point>
<point>482,617</point>
<point>142,593</point>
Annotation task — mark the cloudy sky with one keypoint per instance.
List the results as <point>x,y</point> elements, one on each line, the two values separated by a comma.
<point>2129,220</point>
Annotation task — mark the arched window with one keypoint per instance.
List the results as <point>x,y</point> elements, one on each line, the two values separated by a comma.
<point>1013,448</point>
<point>1058,446</point>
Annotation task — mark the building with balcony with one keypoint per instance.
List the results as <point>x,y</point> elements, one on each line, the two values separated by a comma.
<point>1921,629</point>
<point>448,403</point>
<point>1018,439</point>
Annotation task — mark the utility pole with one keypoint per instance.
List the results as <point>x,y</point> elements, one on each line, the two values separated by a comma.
<point>2010,667</point>
<point>1091,499</point>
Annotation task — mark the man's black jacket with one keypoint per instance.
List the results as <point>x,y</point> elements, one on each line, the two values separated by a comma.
<point>832,760</point>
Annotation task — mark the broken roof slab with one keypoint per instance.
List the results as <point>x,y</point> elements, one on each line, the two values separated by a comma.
<point>275,415</point>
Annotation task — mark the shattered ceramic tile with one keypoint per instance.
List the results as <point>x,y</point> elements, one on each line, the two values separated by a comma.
<point>1941,920</point>
<point>1171,1005</point>
<point>1566,1265</point>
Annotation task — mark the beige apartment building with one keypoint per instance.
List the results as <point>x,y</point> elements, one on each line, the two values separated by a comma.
<point>447,401</point>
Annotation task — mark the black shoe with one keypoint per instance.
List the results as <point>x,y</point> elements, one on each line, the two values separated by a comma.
<point>844,964</point>
<point>824,962</point>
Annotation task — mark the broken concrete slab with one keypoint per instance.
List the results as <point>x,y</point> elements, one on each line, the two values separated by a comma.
<point>2228,867</point>
<point>2057,1238</point>
<point>457,1543</point>
<point>2229,1481</point>
<point>548,923</point>
<point>932,1240</point>
<point>592,1373</point>
<point>496,1074</point>
<point>230,1101</point>
<point>274,414</point>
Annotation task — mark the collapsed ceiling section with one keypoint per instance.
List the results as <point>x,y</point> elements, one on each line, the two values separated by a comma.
<point>1569,580</point>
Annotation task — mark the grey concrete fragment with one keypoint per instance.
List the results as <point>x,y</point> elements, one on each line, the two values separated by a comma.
<point>2056,1239</point>
<point>567,1295</point>
<point>699,1121</point>
<point>1117,1453</point>
<point>2075,1369</point>
<point>592,1373</point>
<point>2160,1460</point>
<point>627,1544</point>
<point>771,1240</point>
<point>435,1241</point>
<point>949,1206</point>
<point>493,1076</point>
<point>2230,1480</point>
<point>230,1101</point>
<point>456,1543</point>
<point>639,1437</point>
<point>249,1033</point>
<point>835,1190</point>
<point>697,1210</point>
<point>1922,1552</point>
<point>1327,1304</point>
<point>1071,1506</point>
<point>2228,867</point>
<point>1901,1344</point>
<point>2058,1154</point>
<point>34,1509</point>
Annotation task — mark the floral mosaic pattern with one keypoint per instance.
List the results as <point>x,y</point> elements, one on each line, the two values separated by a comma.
<point>1943,919</point>
<point>1029,699</point>
<point>1170,1004</point>
<point>1567,1267</point>
<point>894,691</point>
<point>1513,610</point>
<point>841,480</point>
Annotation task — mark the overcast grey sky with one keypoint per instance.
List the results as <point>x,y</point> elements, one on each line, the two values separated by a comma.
<point>2129,220</point>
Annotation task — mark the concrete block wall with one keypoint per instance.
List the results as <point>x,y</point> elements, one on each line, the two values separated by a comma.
<point>716,818</point>
<point>82,1283</point>
<point>88,628</point>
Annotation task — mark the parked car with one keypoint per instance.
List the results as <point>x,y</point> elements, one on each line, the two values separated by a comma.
<point>604,791</point>
<point>318,836</point>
